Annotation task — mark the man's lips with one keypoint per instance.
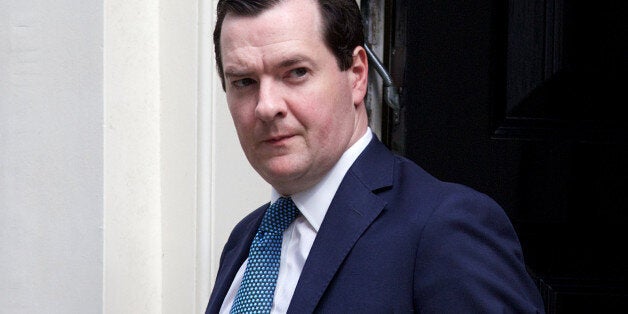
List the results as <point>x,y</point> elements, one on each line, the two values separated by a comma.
<point>277,139</point>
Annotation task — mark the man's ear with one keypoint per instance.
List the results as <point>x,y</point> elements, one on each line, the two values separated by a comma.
<point>359,75</point>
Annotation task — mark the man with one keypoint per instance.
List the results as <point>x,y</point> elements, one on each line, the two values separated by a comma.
<point>374,233</point>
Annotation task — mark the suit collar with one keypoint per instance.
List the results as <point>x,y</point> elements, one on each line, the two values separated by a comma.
<point>374,168</point>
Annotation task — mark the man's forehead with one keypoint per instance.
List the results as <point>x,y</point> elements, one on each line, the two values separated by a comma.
<point>287,32</point>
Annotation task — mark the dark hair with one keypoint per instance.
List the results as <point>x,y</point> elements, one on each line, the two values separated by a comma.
<point>342,26</point>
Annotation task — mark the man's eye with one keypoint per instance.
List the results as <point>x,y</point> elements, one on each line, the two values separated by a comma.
<point>243,82</point>
<point>298,72</point>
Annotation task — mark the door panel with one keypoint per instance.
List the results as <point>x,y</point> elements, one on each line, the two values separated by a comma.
<point>521,100</point>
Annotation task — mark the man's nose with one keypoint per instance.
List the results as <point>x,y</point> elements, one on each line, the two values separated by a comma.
<point>270,103</point>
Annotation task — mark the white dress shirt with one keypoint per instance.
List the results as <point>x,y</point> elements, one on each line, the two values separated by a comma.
<point>299,236</point>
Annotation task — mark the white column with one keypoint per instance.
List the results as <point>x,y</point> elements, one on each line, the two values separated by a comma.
<point>204,133</point>
<point>132,178</point>
<point>179,96</point>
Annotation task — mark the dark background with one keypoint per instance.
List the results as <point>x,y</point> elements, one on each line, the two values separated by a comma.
<point>522,100</point>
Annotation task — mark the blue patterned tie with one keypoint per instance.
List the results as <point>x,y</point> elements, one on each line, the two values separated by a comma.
<point>256,292</point>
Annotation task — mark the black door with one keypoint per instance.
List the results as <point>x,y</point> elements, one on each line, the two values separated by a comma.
<point>523,100</point>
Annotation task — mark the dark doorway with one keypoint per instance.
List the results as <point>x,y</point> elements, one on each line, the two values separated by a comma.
<point>522,100</point>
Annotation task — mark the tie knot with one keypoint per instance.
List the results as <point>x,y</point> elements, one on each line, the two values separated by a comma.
<point>279,215</point>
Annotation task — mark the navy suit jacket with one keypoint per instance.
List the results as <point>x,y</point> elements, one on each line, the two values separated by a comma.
<point>397,240</point>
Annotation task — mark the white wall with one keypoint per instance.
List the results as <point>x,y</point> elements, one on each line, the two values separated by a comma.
<point>51,156</point>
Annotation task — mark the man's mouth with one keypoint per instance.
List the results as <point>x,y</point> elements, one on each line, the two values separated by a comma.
<point>278,139</point>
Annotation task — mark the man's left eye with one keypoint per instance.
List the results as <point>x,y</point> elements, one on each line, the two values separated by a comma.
<point>298,72</point>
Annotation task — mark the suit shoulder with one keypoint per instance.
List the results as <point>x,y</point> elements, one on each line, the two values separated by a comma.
<point>416,183</point>
<point>245,226</point>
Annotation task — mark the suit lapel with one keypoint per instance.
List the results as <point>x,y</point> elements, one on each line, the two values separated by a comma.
<point>351,212</point>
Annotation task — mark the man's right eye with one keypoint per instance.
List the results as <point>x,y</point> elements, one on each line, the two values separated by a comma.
<point>241,83</point>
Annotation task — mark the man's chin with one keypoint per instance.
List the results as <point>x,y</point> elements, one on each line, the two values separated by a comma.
<point>286,180</point>
<point>280,175</point>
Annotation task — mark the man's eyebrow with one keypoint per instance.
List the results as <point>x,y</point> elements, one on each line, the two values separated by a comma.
<point>291,61</point>
<point>230,72</point>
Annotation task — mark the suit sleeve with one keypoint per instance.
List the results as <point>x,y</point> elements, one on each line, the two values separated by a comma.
<point>469,260</point>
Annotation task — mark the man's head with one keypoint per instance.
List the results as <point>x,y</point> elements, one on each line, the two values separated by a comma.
<point>295,106</point>
<point>342,30</point>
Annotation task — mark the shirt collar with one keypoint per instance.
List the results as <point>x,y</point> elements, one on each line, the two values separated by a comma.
<point>314,202</point>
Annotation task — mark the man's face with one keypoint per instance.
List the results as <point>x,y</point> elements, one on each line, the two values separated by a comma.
<point>294,110</point>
